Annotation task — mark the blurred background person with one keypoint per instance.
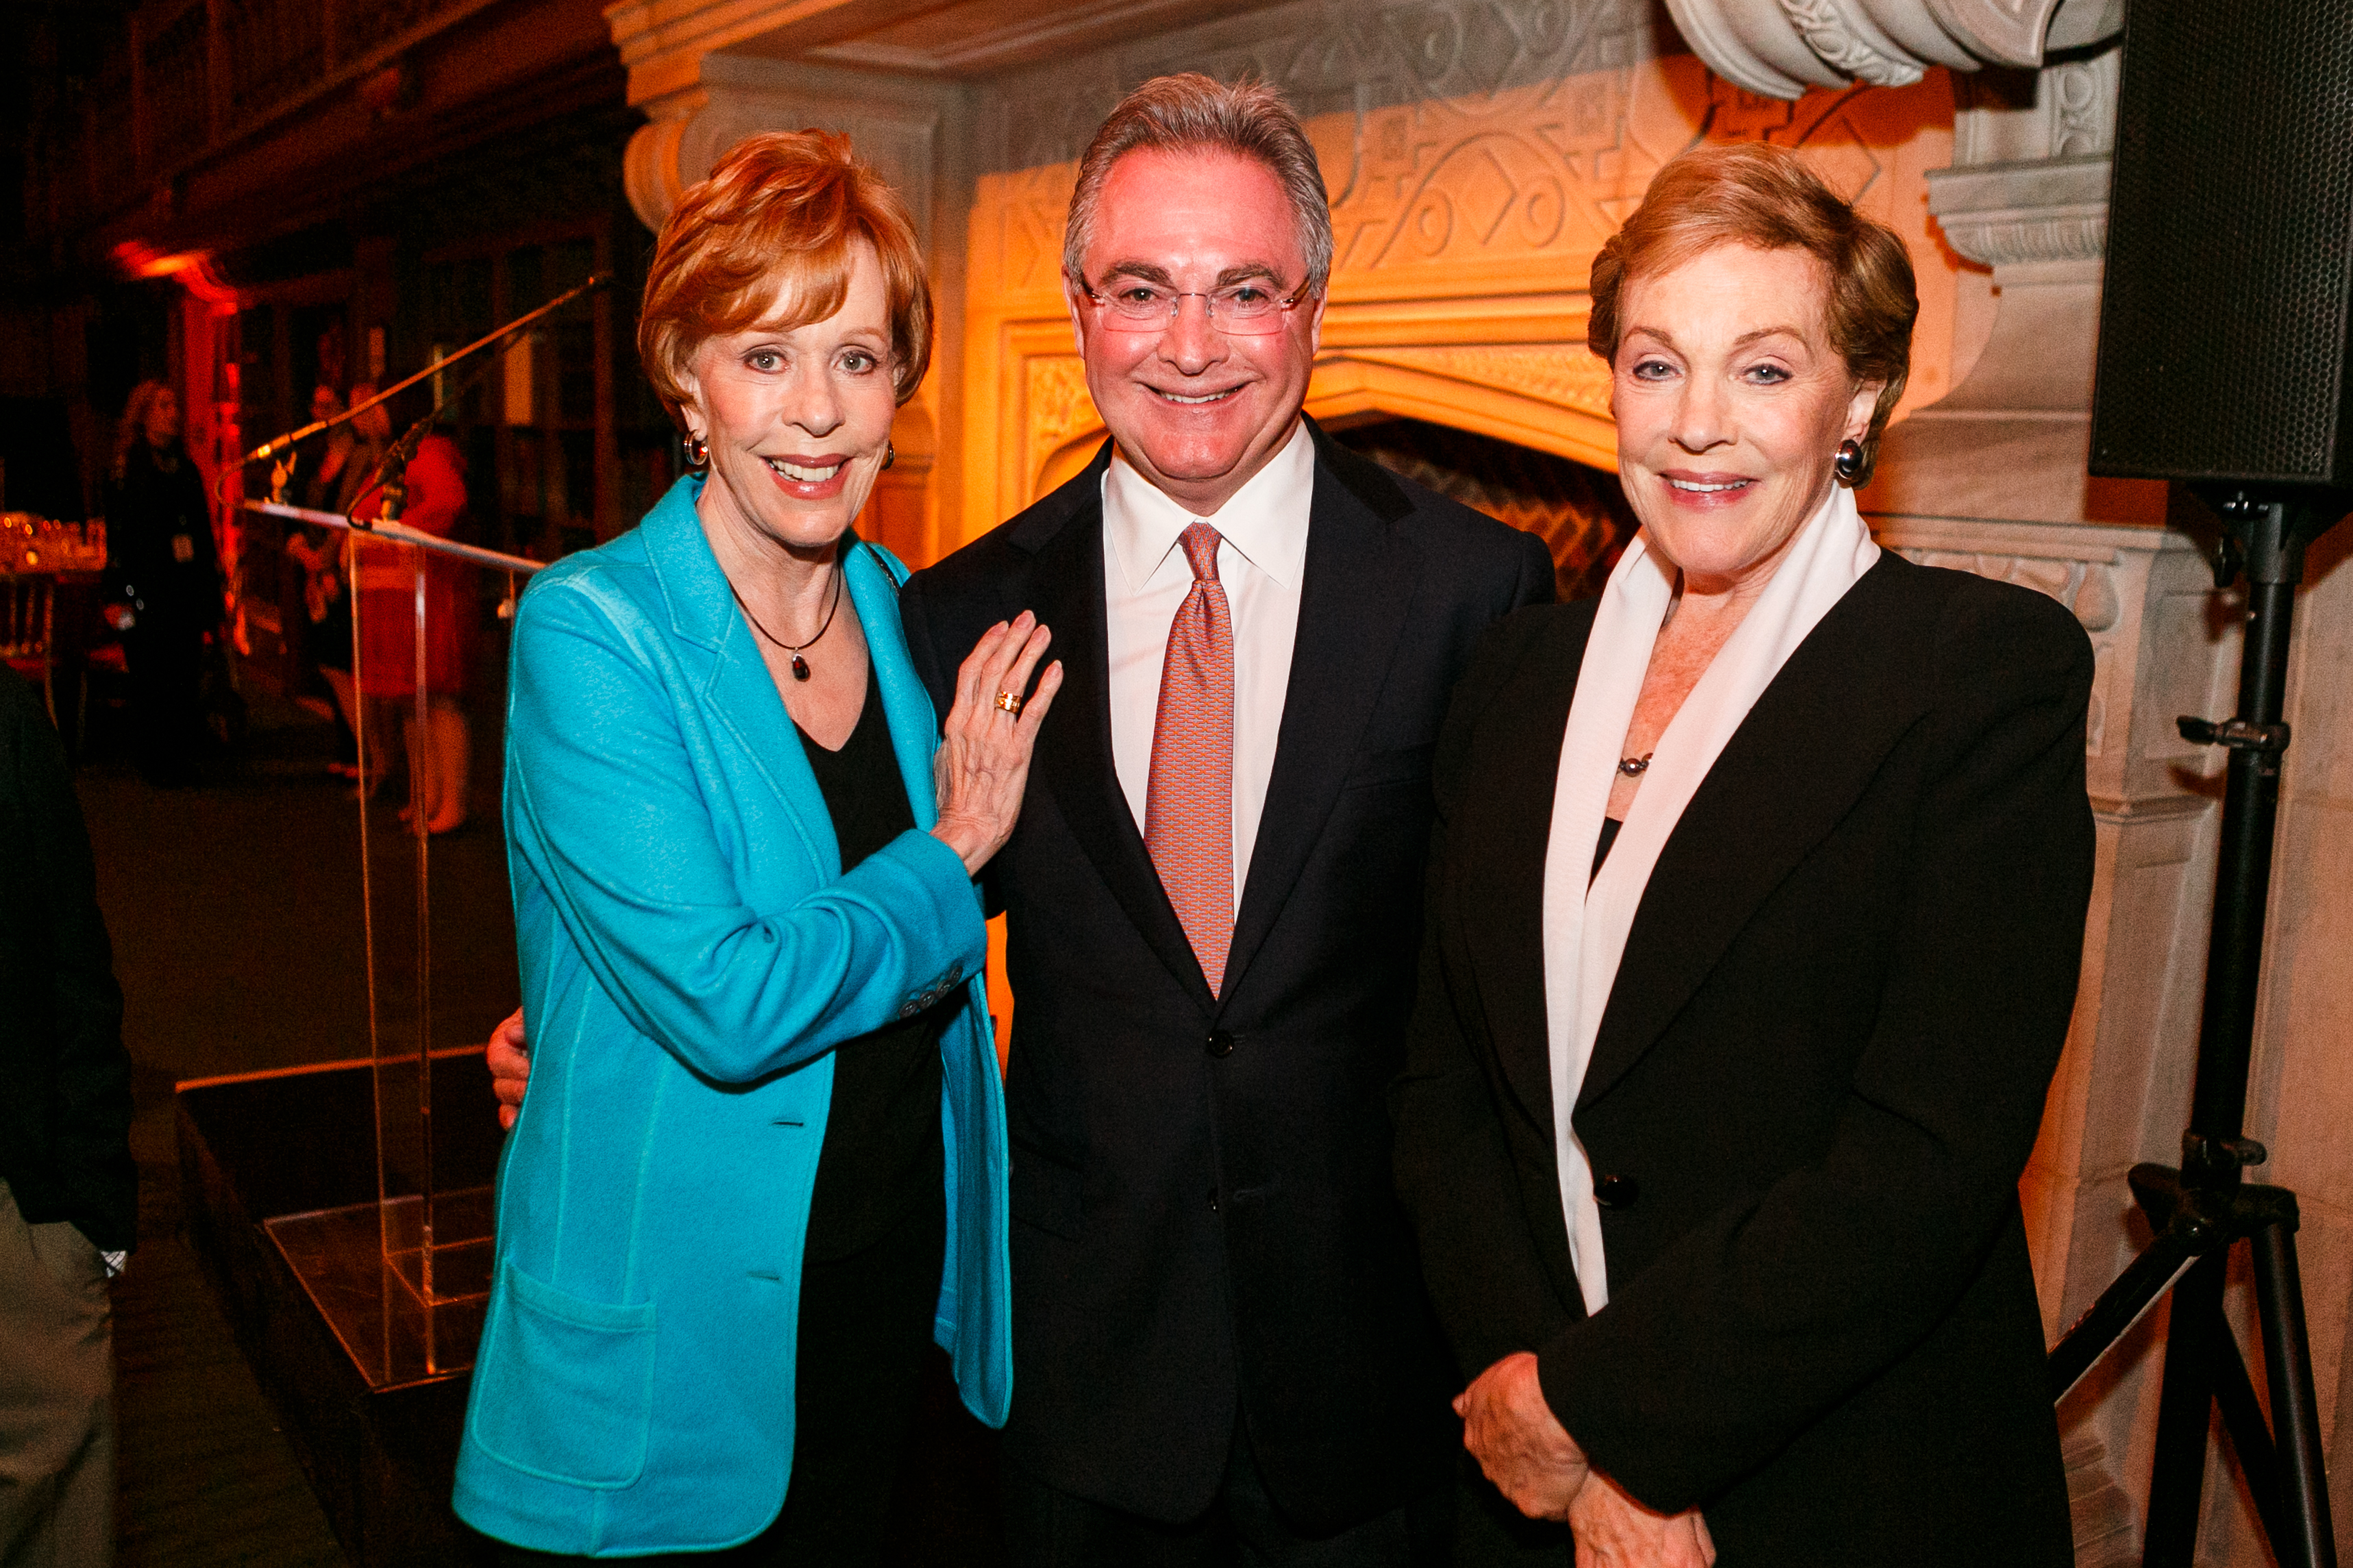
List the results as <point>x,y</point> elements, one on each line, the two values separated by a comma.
<point>165,572</point>
<point>330,593</point>
<point>68,1189</point>
<point>310,578</point>
<point>439,739</point>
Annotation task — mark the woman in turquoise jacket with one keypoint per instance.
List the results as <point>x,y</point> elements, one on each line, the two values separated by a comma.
<point>762,1162</point>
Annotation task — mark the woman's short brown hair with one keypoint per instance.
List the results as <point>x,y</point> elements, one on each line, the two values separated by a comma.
<point>776,223</point>
<point>1751,193</point>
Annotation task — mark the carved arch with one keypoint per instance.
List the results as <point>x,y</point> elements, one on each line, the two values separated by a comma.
<point>1551,398</point>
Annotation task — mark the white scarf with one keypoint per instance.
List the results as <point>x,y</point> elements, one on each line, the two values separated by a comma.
<point>1585,926</point>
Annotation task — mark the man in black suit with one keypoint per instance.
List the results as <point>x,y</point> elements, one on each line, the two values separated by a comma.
<point>68,1190</point>
<point>1222,1345</point>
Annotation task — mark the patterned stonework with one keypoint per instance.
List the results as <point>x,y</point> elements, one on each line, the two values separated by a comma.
<point>1567,375</point>
<point>2085,587</point>
<point>1057,405</point>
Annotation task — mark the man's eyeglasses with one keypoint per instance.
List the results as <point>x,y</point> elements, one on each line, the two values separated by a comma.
<point>1239,308</point>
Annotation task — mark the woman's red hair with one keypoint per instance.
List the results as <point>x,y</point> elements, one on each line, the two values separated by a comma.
<point>770,235</point>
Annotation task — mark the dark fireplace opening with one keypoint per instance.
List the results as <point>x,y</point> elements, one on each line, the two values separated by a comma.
<point>1579,512</point>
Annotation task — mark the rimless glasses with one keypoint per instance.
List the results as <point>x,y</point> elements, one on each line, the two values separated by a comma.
<point>1252,308</point>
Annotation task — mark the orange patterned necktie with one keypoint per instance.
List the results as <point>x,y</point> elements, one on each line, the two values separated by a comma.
<point>1188,805</point>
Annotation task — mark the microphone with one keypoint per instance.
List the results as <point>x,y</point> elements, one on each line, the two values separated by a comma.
<point>277,444</point>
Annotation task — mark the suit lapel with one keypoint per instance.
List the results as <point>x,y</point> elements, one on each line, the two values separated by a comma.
<point>1791,771</point>
<point>1507,823</point>
<point>1357,584</point>
<point>1074,755</point>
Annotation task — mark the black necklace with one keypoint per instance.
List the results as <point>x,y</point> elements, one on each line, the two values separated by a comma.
<point>800,665</point>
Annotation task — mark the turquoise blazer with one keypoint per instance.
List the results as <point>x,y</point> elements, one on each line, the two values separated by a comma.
<point>691,952</point>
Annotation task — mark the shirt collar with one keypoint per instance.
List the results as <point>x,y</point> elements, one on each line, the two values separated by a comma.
<point>1265,521</point>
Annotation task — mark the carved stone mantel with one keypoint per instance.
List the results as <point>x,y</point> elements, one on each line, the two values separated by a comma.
<point>1777,49</point>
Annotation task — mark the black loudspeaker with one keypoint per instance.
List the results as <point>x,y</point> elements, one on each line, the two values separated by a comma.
<point>2223,329</point>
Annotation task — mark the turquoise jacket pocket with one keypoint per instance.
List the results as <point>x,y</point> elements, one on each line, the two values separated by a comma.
<point>589,1425</point>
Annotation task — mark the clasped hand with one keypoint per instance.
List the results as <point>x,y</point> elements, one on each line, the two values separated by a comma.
<point>1524,1450</point>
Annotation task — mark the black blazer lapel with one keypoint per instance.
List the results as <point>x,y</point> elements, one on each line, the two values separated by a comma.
<point>1075,756</point>
<point>1507,823</point>
<point>1354,594</point>
<point>1808,749</point>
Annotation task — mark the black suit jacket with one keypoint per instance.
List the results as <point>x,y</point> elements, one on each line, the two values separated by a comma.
<point>65,1078</point>
<point>1817,1080</point>
<point>1202,1198</point>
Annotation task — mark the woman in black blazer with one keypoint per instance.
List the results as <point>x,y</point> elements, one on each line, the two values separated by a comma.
<point>1772,864</point>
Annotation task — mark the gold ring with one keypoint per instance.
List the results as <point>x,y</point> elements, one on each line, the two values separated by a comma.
<point>1009,702</point>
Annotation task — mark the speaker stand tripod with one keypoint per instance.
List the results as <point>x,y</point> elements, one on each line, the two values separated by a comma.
<point>2206,1207</point>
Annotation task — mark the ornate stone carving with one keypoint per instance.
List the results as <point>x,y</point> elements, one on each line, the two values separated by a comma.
<point>1776,51</point>
<point>1478,58</point>
<point>1056,405</point>
<point>649,170</point>
<point>1997,236</point>
<point>2085,587</point>
<point>738,96</point>
<point>1563,373</point>
<point>1850,44</point>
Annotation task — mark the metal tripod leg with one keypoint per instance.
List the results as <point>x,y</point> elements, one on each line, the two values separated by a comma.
<point>2308,1540</point>
<point>2178,1478</point>
<point>2120,1306</point>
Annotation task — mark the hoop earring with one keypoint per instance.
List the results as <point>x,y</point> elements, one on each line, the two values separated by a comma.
<point>1848,464</point>
<point>890,454</point>
<point>698,452</point>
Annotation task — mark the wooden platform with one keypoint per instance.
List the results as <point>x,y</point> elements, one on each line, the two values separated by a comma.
<point>253,1149</point>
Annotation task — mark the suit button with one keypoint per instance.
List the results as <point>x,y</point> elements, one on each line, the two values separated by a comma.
<point>1617,1192</point>
<point>1221,1044</point>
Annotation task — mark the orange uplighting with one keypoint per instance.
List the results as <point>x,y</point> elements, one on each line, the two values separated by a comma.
<point>192,268</point>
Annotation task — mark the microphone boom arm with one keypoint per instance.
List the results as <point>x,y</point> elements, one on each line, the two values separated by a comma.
<point>278,444</point>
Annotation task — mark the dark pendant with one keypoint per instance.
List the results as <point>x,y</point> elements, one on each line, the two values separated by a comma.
<point>800,667</point>
<point>1633,767</point>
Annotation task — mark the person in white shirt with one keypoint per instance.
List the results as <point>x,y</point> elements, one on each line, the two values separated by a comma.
<point>1222,1352</point>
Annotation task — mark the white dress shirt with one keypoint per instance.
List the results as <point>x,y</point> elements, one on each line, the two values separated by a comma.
<point>1145,578</point>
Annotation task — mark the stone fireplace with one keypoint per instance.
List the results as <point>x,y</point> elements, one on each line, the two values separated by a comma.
<point>1478,153</point>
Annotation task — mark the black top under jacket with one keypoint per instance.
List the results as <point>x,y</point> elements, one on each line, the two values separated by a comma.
<point>882,1152</point>
<point>1816,1081</point>
<point>65,1078</point>
<point>1204,1212</point>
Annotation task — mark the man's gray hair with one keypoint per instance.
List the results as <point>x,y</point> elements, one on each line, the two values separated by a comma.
<point>1190,112</point>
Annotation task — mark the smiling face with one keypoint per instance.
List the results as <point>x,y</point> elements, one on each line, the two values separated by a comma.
<point>1731,401</point>
<point>1196,410</point>
<point>799,418</point>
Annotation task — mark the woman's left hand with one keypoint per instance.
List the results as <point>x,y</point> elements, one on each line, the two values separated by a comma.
<point>982,762</point>
<point>1613,1531</point>
<point>1519,1443</point>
